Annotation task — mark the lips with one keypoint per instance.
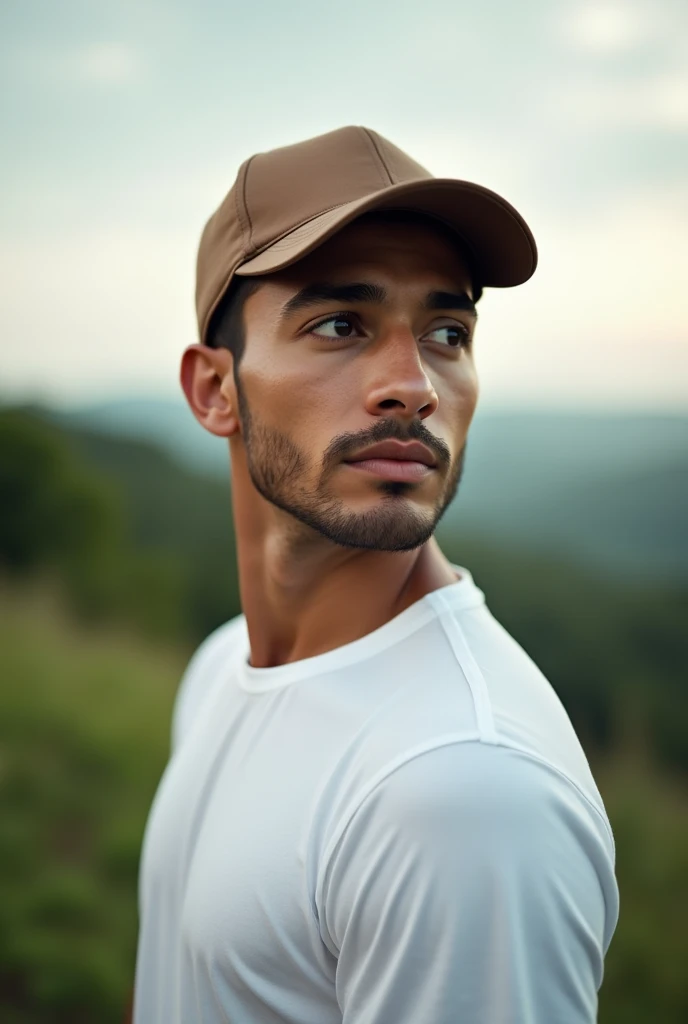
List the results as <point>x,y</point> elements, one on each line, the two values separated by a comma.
<point>398,451</point>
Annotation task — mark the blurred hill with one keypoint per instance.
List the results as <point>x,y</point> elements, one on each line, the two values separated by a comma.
<point>626,524</point>
<point>525,446</point>
<point>610,491</point>
<point>161,531</point>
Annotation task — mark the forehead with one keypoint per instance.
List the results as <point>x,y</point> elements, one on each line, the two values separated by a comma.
<point>413,248</point>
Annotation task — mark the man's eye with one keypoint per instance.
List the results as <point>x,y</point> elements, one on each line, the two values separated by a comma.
<point>335,327</point>
<point>452,335</point>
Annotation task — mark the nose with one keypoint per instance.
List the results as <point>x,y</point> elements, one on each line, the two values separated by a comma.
<point>398,382</point>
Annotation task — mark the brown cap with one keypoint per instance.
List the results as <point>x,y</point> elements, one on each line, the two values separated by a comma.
<point>288,201</point>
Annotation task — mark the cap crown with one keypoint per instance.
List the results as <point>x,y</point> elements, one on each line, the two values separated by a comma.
<point>277,191</point>
<point>288,201</point>
<point>288,186</point>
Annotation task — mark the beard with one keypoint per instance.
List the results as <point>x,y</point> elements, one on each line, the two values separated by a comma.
<point>277,468</point>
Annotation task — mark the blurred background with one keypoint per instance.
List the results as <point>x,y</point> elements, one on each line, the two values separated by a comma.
<point>123,125</point>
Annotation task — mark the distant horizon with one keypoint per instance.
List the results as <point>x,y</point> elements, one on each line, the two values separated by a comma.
<point>82,403</point>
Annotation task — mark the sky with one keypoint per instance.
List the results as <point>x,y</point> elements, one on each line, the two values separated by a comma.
<point>123,124</point>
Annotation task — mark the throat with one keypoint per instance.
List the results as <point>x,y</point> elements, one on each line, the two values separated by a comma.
<point>299,605</point>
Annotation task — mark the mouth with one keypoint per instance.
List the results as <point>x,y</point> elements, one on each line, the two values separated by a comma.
<point>404,462</point>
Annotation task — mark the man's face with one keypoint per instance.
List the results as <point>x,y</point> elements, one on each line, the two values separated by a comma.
<point>368,339</point>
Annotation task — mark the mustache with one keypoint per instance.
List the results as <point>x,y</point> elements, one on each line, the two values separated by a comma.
<point>385,430</point>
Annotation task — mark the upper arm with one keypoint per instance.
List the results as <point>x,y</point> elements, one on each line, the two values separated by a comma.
<point>474,884</point>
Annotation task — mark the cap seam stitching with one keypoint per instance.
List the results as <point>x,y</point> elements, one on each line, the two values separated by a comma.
<point>237,204</point>
<point>377,156</point>
<point>246,210</point>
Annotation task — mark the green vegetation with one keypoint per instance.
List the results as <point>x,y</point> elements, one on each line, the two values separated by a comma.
<point>645,971</point>
<point>112,564</point>
<point>84,725</point>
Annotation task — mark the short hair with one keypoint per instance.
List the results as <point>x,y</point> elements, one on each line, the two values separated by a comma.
<point>227,329</point>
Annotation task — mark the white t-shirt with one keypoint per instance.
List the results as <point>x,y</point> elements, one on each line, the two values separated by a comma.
<point>403,830</point>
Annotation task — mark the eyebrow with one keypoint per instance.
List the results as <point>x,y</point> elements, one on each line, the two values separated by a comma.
<point>451,300</point>
<point>314,294</point>
<point>322,291</point>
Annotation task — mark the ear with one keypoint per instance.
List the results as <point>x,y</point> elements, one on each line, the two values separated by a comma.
<point>207,379</point>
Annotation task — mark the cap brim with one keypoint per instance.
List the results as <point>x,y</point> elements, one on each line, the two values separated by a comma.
<point>500,245</point>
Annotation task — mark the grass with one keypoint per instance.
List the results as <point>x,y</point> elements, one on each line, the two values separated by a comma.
<point>84,727</point>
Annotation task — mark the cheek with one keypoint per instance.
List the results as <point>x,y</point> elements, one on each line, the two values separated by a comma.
<point>470,391</point>
<point>311,406</point>
<point>458,397</point>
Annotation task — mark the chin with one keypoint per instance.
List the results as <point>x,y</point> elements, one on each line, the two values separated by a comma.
<point>394,524</point>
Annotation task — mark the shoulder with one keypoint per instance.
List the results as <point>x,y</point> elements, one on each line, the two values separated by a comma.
<point>200,673</point>
<point>476,730</point>
<point>482,818</point>
<point>520,704</point>
<point>493,860</point>
<point>458,788</point>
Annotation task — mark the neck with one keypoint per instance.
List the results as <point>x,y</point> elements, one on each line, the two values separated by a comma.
<point>303,595</point>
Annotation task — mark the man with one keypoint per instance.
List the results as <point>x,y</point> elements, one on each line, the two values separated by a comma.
<point>376,810</point>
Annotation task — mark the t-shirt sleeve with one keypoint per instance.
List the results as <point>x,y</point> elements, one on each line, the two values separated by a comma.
<point>474,884</point>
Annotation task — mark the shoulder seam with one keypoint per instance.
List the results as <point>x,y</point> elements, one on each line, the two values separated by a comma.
<point>472,673</point>
<point>391,767</point>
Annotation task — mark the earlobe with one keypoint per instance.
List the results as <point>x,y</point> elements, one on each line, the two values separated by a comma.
<point>206,377</point>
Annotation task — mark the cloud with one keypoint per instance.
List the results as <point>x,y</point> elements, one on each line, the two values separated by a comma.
<point>635,72</point>
<point>604,28</point>
<point>107,311</point>
<point>110,64</point>
<point>669,100</point>
<point>107,64</point>
<point>604,320</point>
<point>653,101</point>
